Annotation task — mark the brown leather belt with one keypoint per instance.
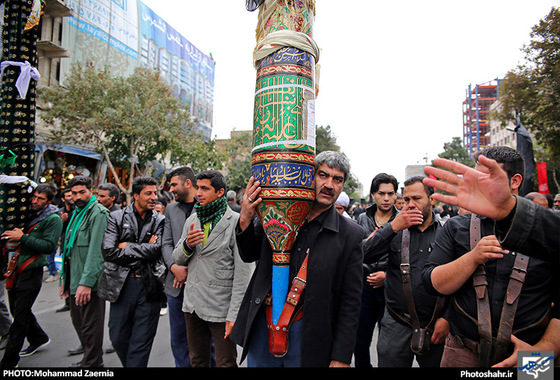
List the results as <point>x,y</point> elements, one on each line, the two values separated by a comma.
<point>278,333</point>
<point>493,350</point>
<point>420,341</point>
<point>135,273</point>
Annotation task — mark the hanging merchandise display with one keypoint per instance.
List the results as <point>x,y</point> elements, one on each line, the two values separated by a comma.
<point>17,107</point>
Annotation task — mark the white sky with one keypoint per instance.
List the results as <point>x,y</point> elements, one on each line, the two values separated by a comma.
<point>394,74</point>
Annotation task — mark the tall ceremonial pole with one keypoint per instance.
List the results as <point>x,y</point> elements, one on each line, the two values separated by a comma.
<point>17,109</point>
<point>283,153</point>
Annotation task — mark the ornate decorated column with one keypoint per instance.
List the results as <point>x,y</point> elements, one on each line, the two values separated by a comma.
<point>283,154</point>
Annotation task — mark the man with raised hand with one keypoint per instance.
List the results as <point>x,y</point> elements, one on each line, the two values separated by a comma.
<point>469,264</point>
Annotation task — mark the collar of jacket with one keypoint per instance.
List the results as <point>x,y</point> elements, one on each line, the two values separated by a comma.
<point>49,210</point>
<point>330,219</point>
<point>370,211</point>
<point>131,209</point>
<point>150,217</point>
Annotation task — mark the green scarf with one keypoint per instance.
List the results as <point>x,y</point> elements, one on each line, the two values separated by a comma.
<point>212,212</point>
<point>73,227</point>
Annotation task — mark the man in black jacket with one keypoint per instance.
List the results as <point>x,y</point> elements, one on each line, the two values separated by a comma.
<point>131,248</point>
<point>408,240</point>
<point>383,190</point>
<point>182,184</point>
<point>326,333</point>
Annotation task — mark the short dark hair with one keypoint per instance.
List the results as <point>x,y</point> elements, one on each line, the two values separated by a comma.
<point>184,172</point>
<point>418,178</point>
<point>334,160</point>
<point>66,190</point>
<point>81,180</point>
<point>217,179</point>
<point>112,189</point>
<point>511,159</point>
<point>46,189</point>
<point>383,178</point>
<point>140,183</point>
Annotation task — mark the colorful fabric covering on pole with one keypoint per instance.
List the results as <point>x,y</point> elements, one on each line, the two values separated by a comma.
<point>17,114</point>
<point>283,154</point>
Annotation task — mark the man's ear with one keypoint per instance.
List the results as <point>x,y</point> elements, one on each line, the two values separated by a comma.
<point>516,181</point>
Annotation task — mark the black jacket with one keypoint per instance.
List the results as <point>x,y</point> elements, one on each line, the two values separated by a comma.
<point>332,297</point>
<point>138,254</point>
<point>388,242</point>
<point>367,221</point>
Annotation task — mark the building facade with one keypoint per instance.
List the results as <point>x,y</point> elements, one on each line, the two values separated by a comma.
<point>120,35</point>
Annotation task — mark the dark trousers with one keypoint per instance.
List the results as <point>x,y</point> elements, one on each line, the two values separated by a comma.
<point>24,325</point>
<point>200,335</point>
<point>178,331</point>
<point>133,324</point>
<point>88,321</point>
<point>371,312</point>
<point>393,347</point>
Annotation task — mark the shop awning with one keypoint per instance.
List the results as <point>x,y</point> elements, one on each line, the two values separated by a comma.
<point>70,150</point>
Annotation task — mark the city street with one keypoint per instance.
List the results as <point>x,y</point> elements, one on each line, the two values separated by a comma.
<point>63,337</point>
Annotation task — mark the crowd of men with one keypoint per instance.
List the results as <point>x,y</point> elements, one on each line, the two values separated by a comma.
<point>443,289</point>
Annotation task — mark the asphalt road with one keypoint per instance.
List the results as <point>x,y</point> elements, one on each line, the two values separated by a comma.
<point>63,337</point>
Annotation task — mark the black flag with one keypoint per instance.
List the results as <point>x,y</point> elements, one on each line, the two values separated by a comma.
<point>525,147</point>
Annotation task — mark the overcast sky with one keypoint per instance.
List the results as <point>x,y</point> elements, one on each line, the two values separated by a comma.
<point>394,74</point>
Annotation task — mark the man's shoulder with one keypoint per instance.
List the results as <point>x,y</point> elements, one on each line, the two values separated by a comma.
<point>98,208</point>
<point>349,226</point>
<point>173,206</point>
<point>362,217</point>
<point>52,218</point>
<point>230,217</point>
<point>459,221</point>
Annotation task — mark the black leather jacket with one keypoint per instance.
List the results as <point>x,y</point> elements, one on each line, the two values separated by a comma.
<point>138,254</point>
<point>367,221</point>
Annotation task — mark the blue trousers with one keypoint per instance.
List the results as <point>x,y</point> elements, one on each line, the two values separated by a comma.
<point>178,331</point>
<point>258,354</point>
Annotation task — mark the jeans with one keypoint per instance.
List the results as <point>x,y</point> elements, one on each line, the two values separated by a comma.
<point>258,354</point>
<point>178,331</point>
<point>51,264</point>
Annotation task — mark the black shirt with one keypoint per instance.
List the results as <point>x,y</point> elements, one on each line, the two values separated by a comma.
<point>387,241</point>
<point>307,235</point>
<point>536,295</point>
